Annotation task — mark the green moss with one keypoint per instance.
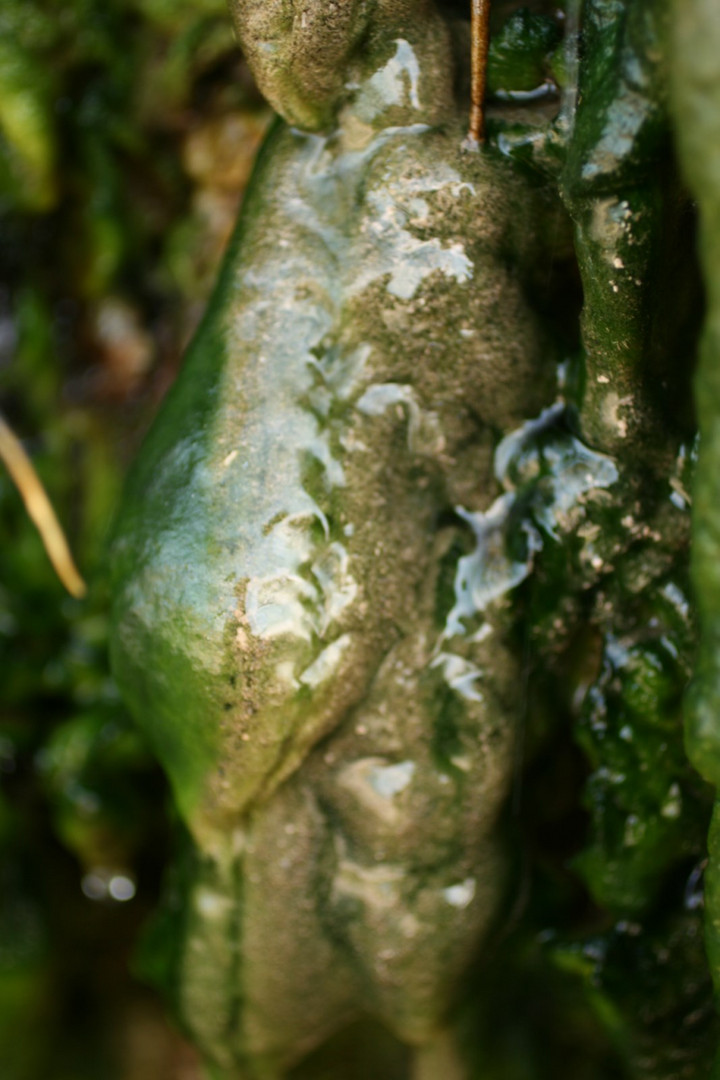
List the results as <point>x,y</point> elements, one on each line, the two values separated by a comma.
<point>604,974</point>
<point>520,52</point>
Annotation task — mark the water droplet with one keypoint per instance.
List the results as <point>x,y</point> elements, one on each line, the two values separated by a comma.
<point>121,888</point>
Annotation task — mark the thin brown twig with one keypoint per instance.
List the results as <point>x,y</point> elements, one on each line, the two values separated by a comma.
<point>39,509</point>
<point>480,32</point>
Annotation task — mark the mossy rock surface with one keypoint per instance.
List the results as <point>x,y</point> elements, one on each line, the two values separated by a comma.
<point>126,133</point>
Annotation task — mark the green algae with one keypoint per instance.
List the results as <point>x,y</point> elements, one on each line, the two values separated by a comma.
<point>696,94</point>
<point>695,85</point>
<point>604,974</point>
<point>613,546</point>
<point>521,51</point>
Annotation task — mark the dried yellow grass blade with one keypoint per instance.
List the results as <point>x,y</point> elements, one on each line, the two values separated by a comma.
<point>39,509</point>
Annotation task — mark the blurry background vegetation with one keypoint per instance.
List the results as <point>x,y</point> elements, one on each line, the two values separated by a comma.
<point>127,134</point>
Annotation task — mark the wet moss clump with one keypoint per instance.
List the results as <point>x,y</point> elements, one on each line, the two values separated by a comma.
<point>127,132</point>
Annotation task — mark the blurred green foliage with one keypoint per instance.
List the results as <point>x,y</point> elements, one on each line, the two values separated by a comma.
<point>98,103</point>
